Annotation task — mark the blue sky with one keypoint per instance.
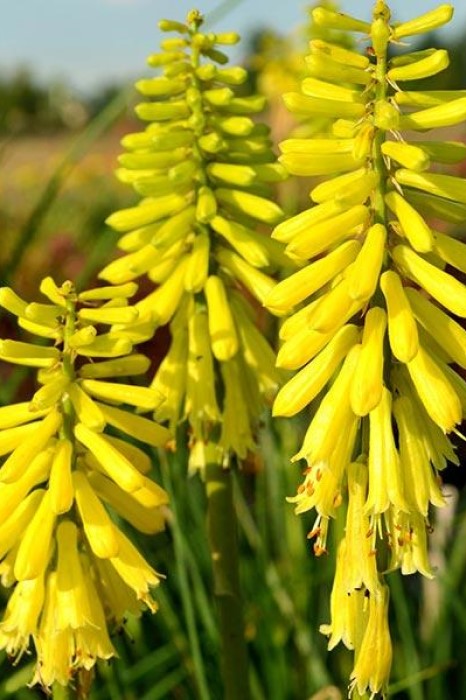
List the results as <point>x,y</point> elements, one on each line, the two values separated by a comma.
<point>91,42</point>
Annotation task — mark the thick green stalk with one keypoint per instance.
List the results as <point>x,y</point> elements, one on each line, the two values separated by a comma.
<point>61,692</point>
<point>223,541</point>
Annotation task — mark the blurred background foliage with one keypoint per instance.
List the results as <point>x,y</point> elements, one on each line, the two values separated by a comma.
<point>58,152</point>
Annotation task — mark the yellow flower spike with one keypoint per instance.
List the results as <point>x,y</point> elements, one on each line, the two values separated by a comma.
<point>111,460</point>
<point>19,460</point>
<point>324,234</point>
<point>223,336</point>
<point>138,427</point>
<point>306,384</point>
<point>346,606</point>
<point>360,569</point>
<point>365,272</point>
<point>385,472</point>
<point>374,657</point>
<point>367,383</point>
<point>311,278</point>
<point>443,328</point>
<point>60,482</point>
<point>135,571</point>
<point>435,391</point>
<point>72,610</point>
<point>100,532</point>
<point>402,328</point>
<point>412,223</point>
<point>21,617</point>
<point>439,284</point>
<point>421,485</point>
<point>35,545</point>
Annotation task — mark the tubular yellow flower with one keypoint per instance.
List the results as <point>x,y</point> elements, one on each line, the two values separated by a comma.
<point>305,282</point>
<point>402,328</point>
<point>222,330</point>
<point>34,548</point>
<point>435,391</point>
<point>367,383</point>
<point>360,568</point>
<point>365,272</point>
<point>385,472</point>
<point>374,657</point>
<point>305,385</point>
<point>60,481</point>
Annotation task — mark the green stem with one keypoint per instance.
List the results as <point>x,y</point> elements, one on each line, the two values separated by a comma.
<point>61,692</point>
<point>223,541</point>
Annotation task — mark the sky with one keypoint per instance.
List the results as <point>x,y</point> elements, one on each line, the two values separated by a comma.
<point>94,42</point>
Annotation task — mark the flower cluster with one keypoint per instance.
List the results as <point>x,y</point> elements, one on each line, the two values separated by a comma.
<point>376,343</point>
<point>66,480</point>
<point>204,168</point>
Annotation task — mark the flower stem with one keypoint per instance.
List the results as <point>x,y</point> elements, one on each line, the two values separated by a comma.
<point>61,692</point>
<point>223,542</point>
